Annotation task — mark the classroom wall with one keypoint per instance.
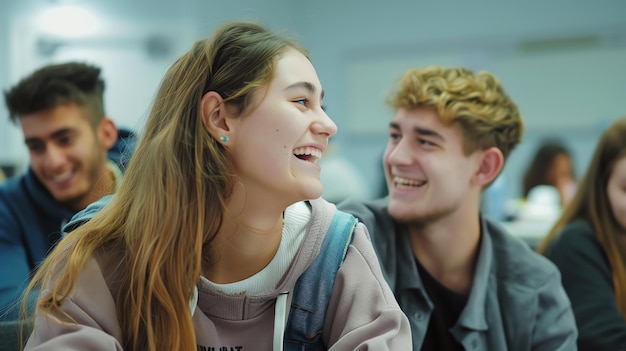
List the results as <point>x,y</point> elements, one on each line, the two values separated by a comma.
<point>561,61</point>
<point>135,43</point>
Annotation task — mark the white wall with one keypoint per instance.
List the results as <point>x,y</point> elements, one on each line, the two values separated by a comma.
<point>131,73</point>
<point>6,132</point>
<point>360,47</point>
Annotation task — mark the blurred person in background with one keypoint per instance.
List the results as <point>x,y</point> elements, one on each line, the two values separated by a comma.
<point>77,155</point>
<point>551,166</point>
<point>463,281</point>
<point>588,244</point>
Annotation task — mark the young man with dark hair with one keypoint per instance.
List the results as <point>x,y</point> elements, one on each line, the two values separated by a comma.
<point>464,283</point>
<point>77,155</point>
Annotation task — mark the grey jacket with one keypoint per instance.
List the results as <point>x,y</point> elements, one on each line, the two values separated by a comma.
<point>516,302</point>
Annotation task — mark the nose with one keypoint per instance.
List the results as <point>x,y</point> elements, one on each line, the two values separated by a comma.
<point>324,125</point>
<point>54,158</point>
<point>398,154</point>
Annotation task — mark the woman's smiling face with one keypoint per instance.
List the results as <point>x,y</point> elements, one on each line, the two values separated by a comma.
<point>276,146</point>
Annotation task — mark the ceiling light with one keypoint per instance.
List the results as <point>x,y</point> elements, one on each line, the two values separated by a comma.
<point>67,21</point>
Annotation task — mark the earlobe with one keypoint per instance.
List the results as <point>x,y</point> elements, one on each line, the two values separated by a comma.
<point>490,166</point>
<point>214,116</point>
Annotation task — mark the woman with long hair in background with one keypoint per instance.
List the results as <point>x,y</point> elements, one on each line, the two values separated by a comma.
<point>588,244</point>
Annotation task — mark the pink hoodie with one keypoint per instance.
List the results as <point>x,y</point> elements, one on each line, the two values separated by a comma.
<point>362,314</point>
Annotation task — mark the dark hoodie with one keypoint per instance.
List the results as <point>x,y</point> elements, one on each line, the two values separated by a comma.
<point>30,225</point>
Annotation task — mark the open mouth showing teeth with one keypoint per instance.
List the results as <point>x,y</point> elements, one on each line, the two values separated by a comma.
<point>62,177</point>
<point>308,154</point>
<point>406,183</point>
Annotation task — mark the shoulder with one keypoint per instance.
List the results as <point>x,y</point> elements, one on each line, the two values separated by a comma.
<point>11,188</point>
<point>577,235</point>
<point>90,302</point>
<point>26,192</point>
<point>322,213</point>
<point>326,221</point>
<point>373,214</point>
<point>14,197</point>
<point>10,209</point>
<point>317,228</point>
<point>577,248</point>
<point>361,268</point>
<point>364,210</point>
<point>96,275</point>
<point>515,263</point>
<point>86,214</point>
<point>327,217</point>
<point>381,227</point>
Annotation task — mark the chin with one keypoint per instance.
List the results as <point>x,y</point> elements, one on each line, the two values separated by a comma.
<point>404,213</point>
<point>312,193</point>
<point>399,215</point>
<point>69,199</point>
<point>64,198</point>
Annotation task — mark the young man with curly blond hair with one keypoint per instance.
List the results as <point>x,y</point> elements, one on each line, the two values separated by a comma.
<point>464,282</point>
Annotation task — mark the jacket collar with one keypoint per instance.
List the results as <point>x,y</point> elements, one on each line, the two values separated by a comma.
<point>473,316</point>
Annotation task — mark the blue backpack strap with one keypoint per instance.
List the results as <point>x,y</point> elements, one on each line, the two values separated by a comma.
<point>313,289</point>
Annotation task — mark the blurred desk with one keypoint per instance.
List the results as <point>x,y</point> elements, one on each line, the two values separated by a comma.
<point>532,232</point>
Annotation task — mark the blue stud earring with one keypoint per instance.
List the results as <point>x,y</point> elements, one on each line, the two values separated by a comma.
<point>224,138</point>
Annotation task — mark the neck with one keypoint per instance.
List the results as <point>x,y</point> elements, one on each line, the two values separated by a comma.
<point>448,248</point>
<point>245,244</point>
<point>105,185</point>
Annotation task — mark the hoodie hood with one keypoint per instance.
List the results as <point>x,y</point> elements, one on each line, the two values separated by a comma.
<point>123,148</point>
<point>83,216</point>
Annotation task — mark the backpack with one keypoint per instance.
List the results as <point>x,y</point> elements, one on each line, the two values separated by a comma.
<point>314,287</point>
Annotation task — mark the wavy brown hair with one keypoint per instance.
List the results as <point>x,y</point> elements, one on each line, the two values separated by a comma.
<point>170,203</point>
<point>476,101</point>
<point>591,203</point>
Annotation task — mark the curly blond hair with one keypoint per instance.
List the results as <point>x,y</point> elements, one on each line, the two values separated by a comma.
<point>476,101</point>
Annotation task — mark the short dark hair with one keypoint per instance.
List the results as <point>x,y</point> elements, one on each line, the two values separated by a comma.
<point>58,84</point>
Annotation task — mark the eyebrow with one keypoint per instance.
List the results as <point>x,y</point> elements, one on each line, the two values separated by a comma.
<point>54,135</point>
<point>420,131</point>
<point>305,85</point>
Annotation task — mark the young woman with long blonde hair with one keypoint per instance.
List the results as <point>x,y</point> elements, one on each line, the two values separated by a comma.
<point>217,219</point>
